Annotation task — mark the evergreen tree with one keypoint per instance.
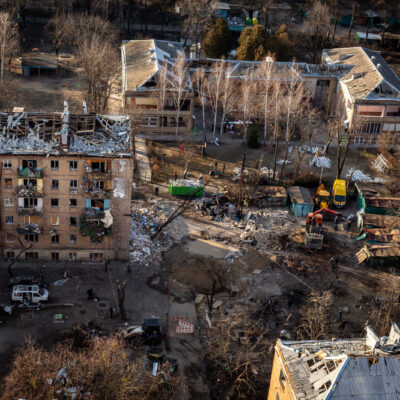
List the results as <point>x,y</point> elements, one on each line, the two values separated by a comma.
<point>252,44</point>
<point>217,41</point>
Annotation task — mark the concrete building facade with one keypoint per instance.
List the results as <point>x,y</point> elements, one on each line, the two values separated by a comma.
<point>65,195</point>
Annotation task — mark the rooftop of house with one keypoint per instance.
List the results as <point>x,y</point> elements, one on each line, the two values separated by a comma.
<point>370,77</point>
<point>142,59</point>
<point>64,133</point>
<point>354,369</point>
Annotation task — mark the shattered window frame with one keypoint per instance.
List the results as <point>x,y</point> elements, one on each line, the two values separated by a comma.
<point>54,164</point>
<point>7,164</point>
<point>54,184</point>
<point>72,239</point>
<point>8,219</point>
<point>55,256</point>
<point>71,203</point>
<point>7,183</point>
<point>96,239</point>
<point>73,165</point>
<point>8,202</point>
<point>54,202</point>
<point>55,238</point>
<point>73,221</point>
<point>31,237</point>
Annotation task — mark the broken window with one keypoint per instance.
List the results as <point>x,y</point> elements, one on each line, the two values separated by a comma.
<point>31,255</point>
<point>8,202</point>
<point>55,238</point>
<point>72,221</point>
<point>72,256</point>
<point>72,239</point>
<point>97,204</point>
<point>324,387</point>
<point>54,164</point>
<point>54,184</point>
<point>54,202</point>
<point>31,237</point>
<point>55,256</point>
<point>10,255</point>
<point>8,183</point>
<point>9,219</point>
<point>30,202</point>
<point>96,256</point>
<point>73,203</point>
<point>7,164</point>
<point>98,185</point>
<point>55,220</point>
<point>30,164</point>
<point>73,165</point>
<point>73,184</point>
<point>98,166</point>
<point>30,182</point>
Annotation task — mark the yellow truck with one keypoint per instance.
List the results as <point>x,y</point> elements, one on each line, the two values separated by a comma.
<point>339,193</point>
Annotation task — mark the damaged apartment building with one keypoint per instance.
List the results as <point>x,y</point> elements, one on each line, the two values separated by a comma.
<point>346,369</point>
<point>152,101</point>
<point>66,182</point>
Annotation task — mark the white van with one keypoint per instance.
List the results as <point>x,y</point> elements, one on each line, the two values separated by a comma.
<point>29,293</point>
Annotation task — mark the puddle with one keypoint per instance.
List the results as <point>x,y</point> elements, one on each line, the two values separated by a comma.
<point>208,248</point>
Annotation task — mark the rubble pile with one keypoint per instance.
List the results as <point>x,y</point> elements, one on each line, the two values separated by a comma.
<point>145,220</point>
<point>320,162</point>
<point>359,176</point>
<point>26,144</point>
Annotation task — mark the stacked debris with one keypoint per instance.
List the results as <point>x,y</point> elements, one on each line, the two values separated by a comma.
<point>29,228</point>
<point>27,191</point>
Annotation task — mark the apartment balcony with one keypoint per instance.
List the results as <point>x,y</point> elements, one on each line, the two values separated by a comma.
<point>98,175</point>
<point>97,193</point>
<point>92,224</point>
<point>30,210</point>
<point>93,214</point>
<point>28,191</point>
<point>29,228</point>
<point>36,173</point>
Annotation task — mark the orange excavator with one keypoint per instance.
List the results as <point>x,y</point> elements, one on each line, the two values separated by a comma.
<point>315,232</point>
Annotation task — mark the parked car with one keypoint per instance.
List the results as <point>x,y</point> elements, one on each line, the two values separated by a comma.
<point>25,280</point>
<point>29,293</point>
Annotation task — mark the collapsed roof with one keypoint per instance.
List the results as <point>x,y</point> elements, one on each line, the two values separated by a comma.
<point>344,369</point>
<point>62,133</point>
<point>370,77</point>
<point>143,59</point>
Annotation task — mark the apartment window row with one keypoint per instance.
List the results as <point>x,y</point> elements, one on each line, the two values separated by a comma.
<point>54,164</point>
<point>34,256</point>
<point>55,238</point>
<point>33,219</point>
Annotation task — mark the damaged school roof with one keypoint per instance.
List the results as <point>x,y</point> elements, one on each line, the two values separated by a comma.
<point>354,369</point>
<point>370,77</point>
<point>61,133</point>
<point>142,59</point>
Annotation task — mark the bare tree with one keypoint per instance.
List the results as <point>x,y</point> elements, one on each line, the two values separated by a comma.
<point>316,320</point>
<point>22,250</point>
<point>278,98</point>
<point>266,75</point>
<point>317,29</point>
<point>181,85</point>
<point>215,82</point>
<point>9,39</point>
<point>227,95</point>
<point>162,84</point>
<point>100,62</point>
<point>59,28</point>
<point>236,347</point>
<point>100,368</point>
<point>200,81</point>
<point>294,107</point>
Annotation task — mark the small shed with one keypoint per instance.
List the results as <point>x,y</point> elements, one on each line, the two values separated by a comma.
<point>376,199</point>
<point>300,201</point>
<point>39,64</point>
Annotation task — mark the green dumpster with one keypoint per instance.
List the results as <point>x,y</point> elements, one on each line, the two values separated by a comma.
<point>186,187</point>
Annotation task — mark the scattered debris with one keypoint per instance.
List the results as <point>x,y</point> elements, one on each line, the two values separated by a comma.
<point>359,176</point>
<point>320,162</point>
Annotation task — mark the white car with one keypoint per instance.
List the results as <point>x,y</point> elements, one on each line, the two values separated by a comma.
<point>29,293</point>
